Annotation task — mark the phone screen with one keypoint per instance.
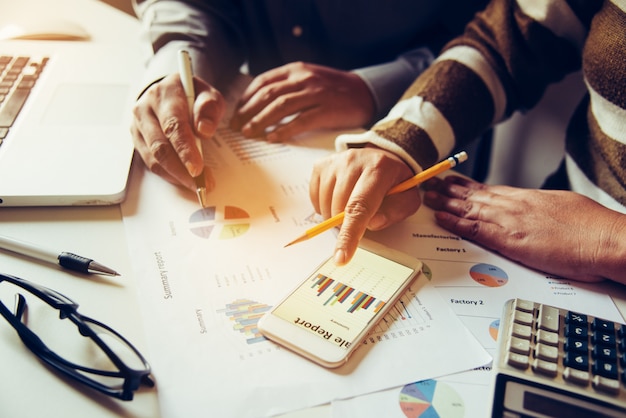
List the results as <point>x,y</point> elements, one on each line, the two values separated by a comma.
<point>337,302</point>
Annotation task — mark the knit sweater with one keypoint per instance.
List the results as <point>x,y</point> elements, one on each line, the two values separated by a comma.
<point>503,63</point>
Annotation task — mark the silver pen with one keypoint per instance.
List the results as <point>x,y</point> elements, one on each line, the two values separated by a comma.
<point>186,78</point>
<point>66,260</point>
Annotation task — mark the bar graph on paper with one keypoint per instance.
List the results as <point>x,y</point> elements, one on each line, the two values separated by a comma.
<point>406,314</point>
<point>248,150</point>
<point>244,315</point>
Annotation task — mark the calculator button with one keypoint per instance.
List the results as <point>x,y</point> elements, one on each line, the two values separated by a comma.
<point>521,331</point>
<point>519,361</point>
<point>549,318</point>
<point>605,353</point>
<point>603,339</point>
<point>580,377</point>
<point>606,385</point>
<point>524,305</point>
<point>524,318</point>
<point>520,346</point>
<point>602,325</point>
<point>576,360</point>
<point>546,352</point>
<point>574,345</point>
<point>605,369</point>
<point>547,337</point>
<point>575,318</point>
<point>576,331</point>
<point>548,368</point>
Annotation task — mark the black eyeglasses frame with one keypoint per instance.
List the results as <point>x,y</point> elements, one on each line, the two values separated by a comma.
<point>132,378</point>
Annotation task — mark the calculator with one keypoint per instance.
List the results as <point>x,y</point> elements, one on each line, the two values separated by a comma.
<point>553,362</point>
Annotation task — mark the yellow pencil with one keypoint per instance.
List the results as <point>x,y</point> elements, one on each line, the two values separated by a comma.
<point>405,185</point>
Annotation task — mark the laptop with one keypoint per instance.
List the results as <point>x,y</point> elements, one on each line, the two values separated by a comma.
<point>70,142</point>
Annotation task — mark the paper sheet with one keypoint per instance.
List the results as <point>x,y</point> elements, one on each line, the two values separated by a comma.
<point>206,275</point>
<point>475,283</point>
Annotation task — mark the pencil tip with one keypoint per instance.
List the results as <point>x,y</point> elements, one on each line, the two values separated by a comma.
<point>297,240</point>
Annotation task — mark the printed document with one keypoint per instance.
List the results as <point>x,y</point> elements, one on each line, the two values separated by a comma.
<point>205,277</point>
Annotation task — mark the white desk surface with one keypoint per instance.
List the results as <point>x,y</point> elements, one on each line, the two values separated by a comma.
<point>27,388</point>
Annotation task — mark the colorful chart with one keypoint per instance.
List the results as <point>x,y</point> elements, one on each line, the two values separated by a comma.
<point>341,292</point>
<point>488,275</point>
<point>401,316</point>
<point>245,315</point>
<point>431,399</point>
<point>493,329</point>
<point>232,222</point>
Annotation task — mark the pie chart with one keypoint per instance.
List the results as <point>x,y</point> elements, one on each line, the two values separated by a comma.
<point>489,275</point>
<point>494,327</point>
<point>431,399</point>
<point>219,223</point>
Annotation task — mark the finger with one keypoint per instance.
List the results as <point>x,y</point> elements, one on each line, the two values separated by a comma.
<point>345,188</point>
<point>335,182</point>
<point>260,99</point>
<point>451,182</point>
<point>477,186</point>
<point>480,206</point>
<point>156,150</point>
<point>146,155</point>
<point>458,188</point>
<point>181,137</point>
<point>209,108</point>
<point>484,233</point>
<point>305,121</point>
<point>174,118</point>
<point>362,205</point>
<point>272,110</point>
<point>356,219</point>
<point>462,208</point>
<point>271,76</point>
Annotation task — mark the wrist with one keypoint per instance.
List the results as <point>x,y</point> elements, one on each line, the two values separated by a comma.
<point>365,98</point>
<point>611,253</point>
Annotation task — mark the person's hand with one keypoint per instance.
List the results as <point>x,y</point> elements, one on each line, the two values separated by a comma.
<point>559,232</point>
<point>164,135</point>
<point>356,181</point>
<point>320,97</point>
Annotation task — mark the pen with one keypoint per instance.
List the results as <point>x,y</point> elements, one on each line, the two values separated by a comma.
<point>405,185</point>
<point>67,260</point>
<point>186,78</point>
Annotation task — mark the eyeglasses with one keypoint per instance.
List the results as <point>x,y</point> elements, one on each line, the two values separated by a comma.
<point>96,355</point>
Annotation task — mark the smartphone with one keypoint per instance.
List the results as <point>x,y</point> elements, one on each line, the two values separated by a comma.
<point>331,312</point>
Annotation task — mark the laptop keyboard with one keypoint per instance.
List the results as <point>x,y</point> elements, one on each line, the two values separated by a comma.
<point>18,75</point>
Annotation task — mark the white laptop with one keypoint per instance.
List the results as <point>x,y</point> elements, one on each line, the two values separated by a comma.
<point>70,144</point>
